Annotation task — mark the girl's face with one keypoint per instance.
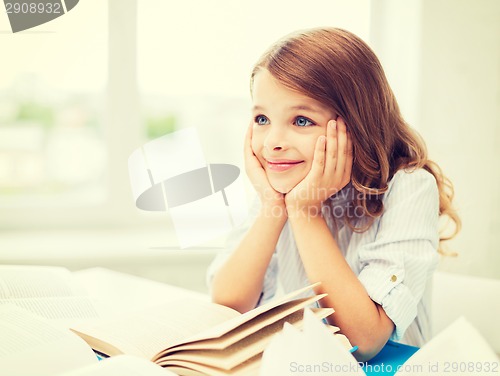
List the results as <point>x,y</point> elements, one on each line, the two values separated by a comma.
<point>286,127</point>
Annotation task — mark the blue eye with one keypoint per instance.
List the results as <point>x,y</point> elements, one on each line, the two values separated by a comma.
<point>261,120</point>
<point>302,121</point>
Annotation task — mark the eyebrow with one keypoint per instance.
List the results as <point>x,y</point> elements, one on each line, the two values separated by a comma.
<point>297,107</point>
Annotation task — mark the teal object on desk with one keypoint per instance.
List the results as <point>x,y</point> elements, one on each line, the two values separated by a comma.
<point>100,356</point>
<point>391,356</point>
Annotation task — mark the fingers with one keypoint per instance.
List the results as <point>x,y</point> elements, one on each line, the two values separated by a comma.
<point>349,159</point>
<point>339,154</point>
<point>331,146</point>
<point>318,164</point>
<point>341,149</point>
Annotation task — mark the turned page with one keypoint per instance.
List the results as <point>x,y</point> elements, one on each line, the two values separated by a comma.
<point>47,291</point>
<point>250,327</point>
<point>31,345</point>
<point>146,333</point>
<point>158,328</point>
<point>220,330</point>
<point>244,349</point>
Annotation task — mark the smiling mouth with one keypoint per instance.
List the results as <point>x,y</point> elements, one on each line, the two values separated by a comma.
<point>282,165</point>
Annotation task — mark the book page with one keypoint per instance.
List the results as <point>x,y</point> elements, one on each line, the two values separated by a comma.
<point>246,329</point>
<point>19,281</point>
<point>248,368</point>
<point>218,331</point>
<point>459,350</point>
<point>31,345</point>
<point>66,310</point>
<point>121,365</point>
<point>245,349</point>
<point>146,333</point>
<point>50,292</point>
<point>314,350</point>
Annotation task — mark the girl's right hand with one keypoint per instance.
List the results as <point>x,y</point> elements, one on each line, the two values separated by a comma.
<point>269,197</point>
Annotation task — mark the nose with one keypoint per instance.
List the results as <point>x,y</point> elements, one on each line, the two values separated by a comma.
<point>276,139</point>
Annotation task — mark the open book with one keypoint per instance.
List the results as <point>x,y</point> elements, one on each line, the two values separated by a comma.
<point>46,291</point>
<point>201,338</point>
<point>35,346</point>
<point>191,336</point>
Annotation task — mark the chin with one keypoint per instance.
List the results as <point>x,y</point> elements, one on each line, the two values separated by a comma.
<point>282,190</point>
<point>282,187</point>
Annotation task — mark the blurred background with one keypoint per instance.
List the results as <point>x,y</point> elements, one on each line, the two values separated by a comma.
<point>79,94</point>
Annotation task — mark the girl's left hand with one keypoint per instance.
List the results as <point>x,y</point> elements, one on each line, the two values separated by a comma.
<point>330,171</point>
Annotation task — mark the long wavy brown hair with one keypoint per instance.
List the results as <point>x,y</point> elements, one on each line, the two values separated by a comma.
<point>338,69</point>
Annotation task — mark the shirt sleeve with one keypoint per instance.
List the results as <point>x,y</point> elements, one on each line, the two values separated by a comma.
<point>396,266</point>
<point>270,279</point>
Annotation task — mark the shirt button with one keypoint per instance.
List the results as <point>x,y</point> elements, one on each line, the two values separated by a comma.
<point>394,278</point>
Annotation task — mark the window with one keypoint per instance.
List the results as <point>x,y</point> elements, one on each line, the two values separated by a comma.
<point>53,152</point>
<point>83,91</point>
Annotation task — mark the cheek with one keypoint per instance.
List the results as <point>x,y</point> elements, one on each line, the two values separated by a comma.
<point>257,142</point>
<point>308,149</point>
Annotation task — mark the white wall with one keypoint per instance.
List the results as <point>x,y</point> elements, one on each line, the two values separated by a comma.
<point>443,56</point>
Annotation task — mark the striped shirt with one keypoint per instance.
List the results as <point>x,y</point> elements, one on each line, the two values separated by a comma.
<point>394,259</point>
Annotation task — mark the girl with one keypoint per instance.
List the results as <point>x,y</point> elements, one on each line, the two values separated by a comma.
<point>346,193</point>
